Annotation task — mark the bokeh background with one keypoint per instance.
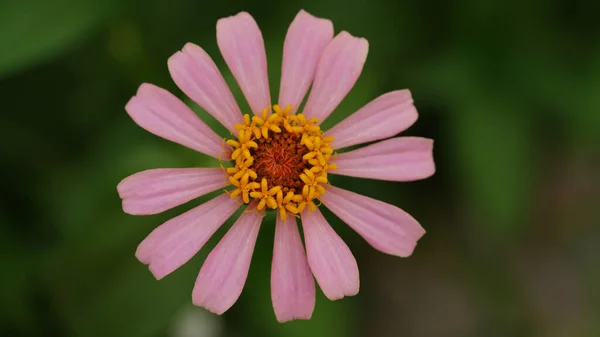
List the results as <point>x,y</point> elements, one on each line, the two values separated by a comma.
<point>509,90</point>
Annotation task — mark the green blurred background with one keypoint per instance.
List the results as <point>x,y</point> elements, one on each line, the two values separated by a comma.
<point>509,90</point>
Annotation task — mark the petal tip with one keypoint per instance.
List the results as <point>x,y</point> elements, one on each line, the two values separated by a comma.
<point>189,45</point>
<point>132,207</point>
<point>350,290</point>
<point>141,255</point>
<point>174,60</point>
<point>284,318</point>
<point>195,50</point>
<point>130,107</point>
<point>122,187</point>
<point>431,169</point>
<point>304,15</point>
<point>361,43</point>
<point>405,252</point>
<point>146,87</point>
<point>353,292</point>
<point>205,301</point>
<point>239,16</point>
<point>201,301</point>
<point>431,172</point>
<point>143,89</point>
<point>408,251</point>
<point>129,103</point>
<point>127,208</point>
<point>346,35</point>
<point>157,272</point>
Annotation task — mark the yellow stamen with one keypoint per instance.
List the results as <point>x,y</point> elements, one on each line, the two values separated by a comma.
<point>295,133</point>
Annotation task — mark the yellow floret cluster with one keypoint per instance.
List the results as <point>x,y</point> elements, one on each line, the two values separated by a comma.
<point>281,160</point>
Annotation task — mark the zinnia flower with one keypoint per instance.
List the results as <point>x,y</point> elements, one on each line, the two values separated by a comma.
<point>277,159</point>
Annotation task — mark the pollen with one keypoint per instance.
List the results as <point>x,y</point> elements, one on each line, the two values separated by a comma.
<point>280,160</point>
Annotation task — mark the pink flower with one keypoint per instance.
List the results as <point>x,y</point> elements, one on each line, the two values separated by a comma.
<point>276,159</point>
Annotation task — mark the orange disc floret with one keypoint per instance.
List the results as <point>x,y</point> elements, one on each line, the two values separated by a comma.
<point>280,160</point>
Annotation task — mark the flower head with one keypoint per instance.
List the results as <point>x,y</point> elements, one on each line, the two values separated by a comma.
<point>276,159</point>
<point>286,154</point>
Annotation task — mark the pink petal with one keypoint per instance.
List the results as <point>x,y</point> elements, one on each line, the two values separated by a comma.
<point>155,191</point>
<point>386,227</point>
<point>305,41</point>
<point>338,69</point>
<point>164,115</point>
<point>292,285</point>
<point>224,272</point>
<point>383,117</point>
<point>176,241</point>
<point>329,258</point>
<point>396,159</point>
<point>198,77</point>
<point>242,46</point>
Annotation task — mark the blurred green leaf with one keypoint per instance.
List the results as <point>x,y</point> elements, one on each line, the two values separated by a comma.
<point>132,302</point>
<point>494,152</point>
<point>18,264</point>
<point>585,108</point>
<point>34,30</point>
<point>110,285</point>
<point>87,191</point>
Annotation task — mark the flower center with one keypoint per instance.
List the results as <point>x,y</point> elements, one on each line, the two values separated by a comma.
<point>280,160</point>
